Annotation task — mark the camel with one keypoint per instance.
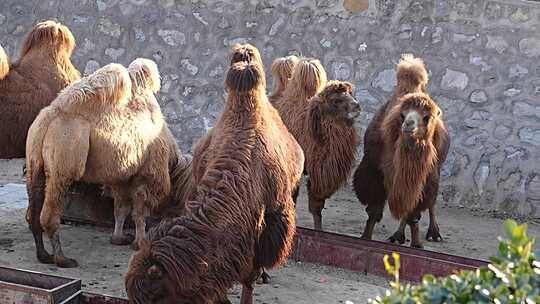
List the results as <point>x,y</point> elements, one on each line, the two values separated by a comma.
<point>241,217</point>
<point>33,81</point>
<point>282,69</point>
<point>320,115</point>
<point>105,129</point>
<point>405,147</point>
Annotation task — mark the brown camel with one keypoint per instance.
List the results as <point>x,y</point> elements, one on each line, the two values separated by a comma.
<point>242,215</point>
<point>322,122</point>
<point>105,129</point>
<point>282,69</point>
<point>30,84</point>
<point>405,147</point>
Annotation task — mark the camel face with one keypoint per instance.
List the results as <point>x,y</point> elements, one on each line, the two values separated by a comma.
<point>343,107</point>
<point>418,113</point>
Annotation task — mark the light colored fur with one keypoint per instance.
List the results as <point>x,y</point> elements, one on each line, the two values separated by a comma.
<point>100,130</point>
<point>4,63</point>
<point>282,69</point>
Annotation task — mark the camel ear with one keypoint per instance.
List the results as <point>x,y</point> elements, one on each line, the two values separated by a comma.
<point>315,128</point>
<point>154,272</point>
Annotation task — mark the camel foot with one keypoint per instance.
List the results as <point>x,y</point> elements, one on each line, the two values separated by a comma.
<point>397,237</point>
<point>44,257</point>
<point>122,240</point>
<point>64,262</point>
<point>417,245</point>
<point>433,235</point>
<point>264,278</point>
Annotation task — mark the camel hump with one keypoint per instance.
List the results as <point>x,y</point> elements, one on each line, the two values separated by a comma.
<point>411,73</point>
<point>282,67</point>
<point>49,34</point>
<point>144,74</point>
<point>110,84</point>
<point>245,76</point>
<point>4,63</point>
<point>245,52</point>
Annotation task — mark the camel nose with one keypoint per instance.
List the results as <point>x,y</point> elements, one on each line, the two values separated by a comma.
<point>408,125</point>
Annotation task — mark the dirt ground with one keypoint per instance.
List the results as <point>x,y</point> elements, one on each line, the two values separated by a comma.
<point>102,265</point>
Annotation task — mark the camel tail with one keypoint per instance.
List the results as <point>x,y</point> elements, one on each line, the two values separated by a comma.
<point>35,183</point>
<point>411,74</point>
<point>4,63</point>
<point>144,75</point>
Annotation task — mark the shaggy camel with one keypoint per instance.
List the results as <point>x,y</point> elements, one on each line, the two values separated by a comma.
<point>282,69</point>
<point>406,145</point>
<point>113,133</point>
<point>30,84</point>
<point>242,215</point>
<point>323,126</point>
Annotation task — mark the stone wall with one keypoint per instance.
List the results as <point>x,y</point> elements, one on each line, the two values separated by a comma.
<point>483,57</point>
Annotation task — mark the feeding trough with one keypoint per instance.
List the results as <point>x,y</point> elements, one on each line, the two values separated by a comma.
<point>28,287</point>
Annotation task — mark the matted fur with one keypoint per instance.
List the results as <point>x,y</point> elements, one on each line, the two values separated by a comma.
<point>329,145</point>
<point>145,75</point>
<point>241,216</point>
<point>282,69</point>
<point>412,75</point>
<point>245,52</point>
<point>406,172</point>
<point>406,165</point>
<point>4,63</point>
<point>33,81</point>
<point>95,131</point>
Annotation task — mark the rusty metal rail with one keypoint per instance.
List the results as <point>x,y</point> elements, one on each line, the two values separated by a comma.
<point>366,256</point>
<point>333,250</point>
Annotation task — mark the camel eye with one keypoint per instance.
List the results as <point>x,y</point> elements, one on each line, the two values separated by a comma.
<point>426,119</point>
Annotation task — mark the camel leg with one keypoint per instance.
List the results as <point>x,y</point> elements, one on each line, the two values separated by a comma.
<point>36,197</point>
<point>399,235</point>
<point>433,233</point>
<point>138,215</point>
<point>50,219</point>
<point>121,211</point>
<point>375,214</point>
<point>413,222</point>
<point>247,287</point>
<point>315,208</point>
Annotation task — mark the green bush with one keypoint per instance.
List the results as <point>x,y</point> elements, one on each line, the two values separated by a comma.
<point>513,276</point>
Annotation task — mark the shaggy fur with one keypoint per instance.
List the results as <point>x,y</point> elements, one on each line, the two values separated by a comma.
<point>242,215</point>
<point>30,84</point>
<point>282,69</point>
<point>323,126</point>
<point>101,130</point>
<point>400,166</point>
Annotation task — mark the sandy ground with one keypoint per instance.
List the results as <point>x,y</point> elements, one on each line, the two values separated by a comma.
<point>102,265</point>
<point>465,233</point>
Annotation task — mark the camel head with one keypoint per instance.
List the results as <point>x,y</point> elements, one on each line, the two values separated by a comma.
<point>418,116</point>
<point>245,52</point>
<point>282,69</point>
<point>4,64</point>
<point>49,36</point>
<point>336,101</point>
<point>109,84</point>
<point>308,78</point>
<point>144,75</point>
